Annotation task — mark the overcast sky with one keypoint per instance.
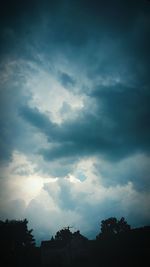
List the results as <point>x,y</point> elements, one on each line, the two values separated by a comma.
<point>74,113</point>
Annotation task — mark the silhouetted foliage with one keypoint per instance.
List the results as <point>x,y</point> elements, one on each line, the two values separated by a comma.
<point>112,226</point>
<point>64,235</point>
<point>16,243</point>
<point>16,233</point>
<point>117,245</point>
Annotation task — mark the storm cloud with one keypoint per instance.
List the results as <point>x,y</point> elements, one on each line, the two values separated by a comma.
<point>117,126</point>
<point>74,112</point>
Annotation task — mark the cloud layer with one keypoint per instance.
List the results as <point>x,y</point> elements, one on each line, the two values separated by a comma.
<point>74,113</point>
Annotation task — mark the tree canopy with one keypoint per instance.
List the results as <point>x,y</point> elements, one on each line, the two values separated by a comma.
<point>15,233</point>
<point>64,235</point>
<point>112,226</point>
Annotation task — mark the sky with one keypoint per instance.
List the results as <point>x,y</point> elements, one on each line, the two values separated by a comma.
<point>74,113</point>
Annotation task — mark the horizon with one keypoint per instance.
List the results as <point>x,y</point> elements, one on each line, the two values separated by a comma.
<point>99,234</point>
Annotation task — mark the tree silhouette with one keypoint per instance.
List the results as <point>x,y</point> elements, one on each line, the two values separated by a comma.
<point>17,244</point>
<point>112,226</point>
<point>15,234</point>
<point>64,235</point>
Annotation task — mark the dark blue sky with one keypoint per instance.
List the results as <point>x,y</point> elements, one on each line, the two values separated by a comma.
<point>75,113</point>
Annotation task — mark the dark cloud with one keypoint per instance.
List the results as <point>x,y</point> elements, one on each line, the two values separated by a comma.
<point>66,80</point>
<point>9,124</point>
<point>118,127</point>
<point>40,121</point>
<point>134,169</point>
<point>128,109</point>
<point>66,23</point>
<point>14,134</point>
<point>98,50</point>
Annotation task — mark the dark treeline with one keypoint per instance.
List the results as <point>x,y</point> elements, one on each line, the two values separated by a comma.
<point>17,244</point>
<point>117,244</point>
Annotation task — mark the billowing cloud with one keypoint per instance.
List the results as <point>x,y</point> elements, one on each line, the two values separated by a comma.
<point>74,113</point>
<point>116,127</point>
<point>52,203</point>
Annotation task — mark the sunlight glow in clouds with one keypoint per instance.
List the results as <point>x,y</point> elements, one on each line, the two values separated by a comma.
<point>90,185</point>
<point>24,183</point>
<point>33,185</point>
<point>74,113</point>
<point>50,96</point>
<point>68,196</point>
